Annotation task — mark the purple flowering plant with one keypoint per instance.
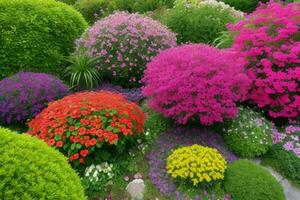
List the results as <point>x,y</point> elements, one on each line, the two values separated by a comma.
<point>172,139</point>
<point>289,139</point>
<point>25,94</point>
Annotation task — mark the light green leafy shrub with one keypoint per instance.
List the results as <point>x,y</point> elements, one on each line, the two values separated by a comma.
<point>30,169</point>
<point>36,35</point>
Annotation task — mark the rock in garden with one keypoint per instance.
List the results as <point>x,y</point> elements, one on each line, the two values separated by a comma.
<point>136,189</point>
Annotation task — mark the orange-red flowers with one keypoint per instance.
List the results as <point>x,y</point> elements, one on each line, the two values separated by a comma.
<point>77,123</point>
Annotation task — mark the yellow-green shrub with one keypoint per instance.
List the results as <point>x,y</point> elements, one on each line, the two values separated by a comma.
<point>196,164</point>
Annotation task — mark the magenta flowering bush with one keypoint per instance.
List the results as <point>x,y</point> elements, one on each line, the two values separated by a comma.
<point>25,94</point>
<point>269,40</point>
<point>123,44</point>
<point>195,81</point>
<point>289,139</point>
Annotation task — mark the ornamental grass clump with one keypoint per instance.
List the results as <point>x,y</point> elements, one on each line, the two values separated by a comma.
<point>82,123</point>
<point>124,43</point>
<point>196,164</point>
<point>249,134</point>
<point>30,169</point>
<point>25,94</point>
<point>269,40</point>
<point>195,82</point>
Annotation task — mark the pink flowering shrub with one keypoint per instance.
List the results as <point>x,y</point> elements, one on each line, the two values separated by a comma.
<point>195,82</point>
<point>123,44</point>
<point>269,40</point>
<point>289,139</point>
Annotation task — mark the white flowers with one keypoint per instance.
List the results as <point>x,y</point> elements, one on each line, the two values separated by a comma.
<point>94,172</point>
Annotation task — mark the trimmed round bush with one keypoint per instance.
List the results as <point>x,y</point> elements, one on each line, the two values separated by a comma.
<point>36,35</point>
<point>269,40</point>
<point>81,123</point>
<point>25,94</point>
<point>197,24</point>
<point>249,181</point>
<point>249,134</point>
<point>195,82</point>
<point>123,44</point>
<point>221,5</point>
<point>245,6</point>
<point>32,170</point>
<point>285,162</point>
<point>196,164</point>
<point>93,10</point>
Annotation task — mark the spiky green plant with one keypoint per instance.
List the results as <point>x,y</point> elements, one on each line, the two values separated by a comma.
<point>82,72</point>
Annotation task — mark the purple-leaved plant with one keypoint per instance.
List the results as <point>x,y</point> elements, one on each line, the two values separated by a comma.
<point>25,94</point>
<point>175,138</point>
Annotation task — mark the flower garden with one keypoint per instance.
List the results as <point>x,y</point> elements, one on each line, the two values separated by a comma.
<point>149,99</point>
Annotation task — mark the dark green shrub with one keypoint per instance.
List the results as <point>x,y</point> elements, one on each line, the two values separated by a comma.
<point>244,5</point>
<point>197,24</point>
<point>30,169</point>
<point>249,134</point>
<point>70,2</point>
<point>286,163</point>
<point>35,35</point>
<point>92,10</point>
<point>245,180</point>
<point>143,6</point>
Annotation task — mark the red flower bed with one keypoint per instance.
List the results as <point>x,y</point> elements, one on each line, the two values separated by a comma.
<point>79,123</point>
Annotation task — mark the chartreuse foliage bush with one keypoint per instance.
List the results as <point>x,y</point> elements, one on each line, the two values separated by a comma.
<point>249,181</point>
<point>26,94</point>
<point>197,24</point>
<point>196,164</point>
<point>36,35</point>
<point>245,6</point>
<point>29,169</point>
<point>82,123</point>
<point>269,40</point>
<point>195,82</point>
<point>93,10</point>
<point>249,134</point>
<point>123,44</point>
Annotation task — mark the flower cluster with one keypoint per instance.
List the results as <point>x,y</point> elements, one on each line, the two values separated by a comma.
<point>269,41</point>
<point>175,138</point>
<point>290,139</point>
<point>195,81</point>
<point>25,94</point>
<point>97,177</point>
<point>79,123</point>
<point>196,164</point>
<point>219,4</point>
<point>249,134</point>
<point>124,43</point>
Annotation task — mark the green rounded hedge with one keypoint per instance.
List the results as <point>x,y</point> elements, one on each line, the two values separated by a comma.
<point>30,169</point>
<point>197,24</point>
<point>244,5</point>
<point>36,35</point>
<point>93,10</point>
<point>245,180</point>
<point>70,2</point>
<point>249,134</point>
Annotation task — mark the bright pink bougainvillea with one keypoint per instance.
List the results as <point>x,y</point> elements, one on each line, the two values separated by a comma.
<point>195,82</point>
<point>269,40</point>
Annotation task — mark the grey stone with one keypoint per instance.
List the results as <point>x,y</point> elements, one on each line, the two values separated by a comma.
<point>136,189</point>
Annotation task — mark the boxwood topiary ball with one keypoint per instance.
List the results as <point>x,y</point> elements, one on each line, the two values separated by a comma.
<point>245,180</point>
<point>36,35</point>
<point>29,169</point>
